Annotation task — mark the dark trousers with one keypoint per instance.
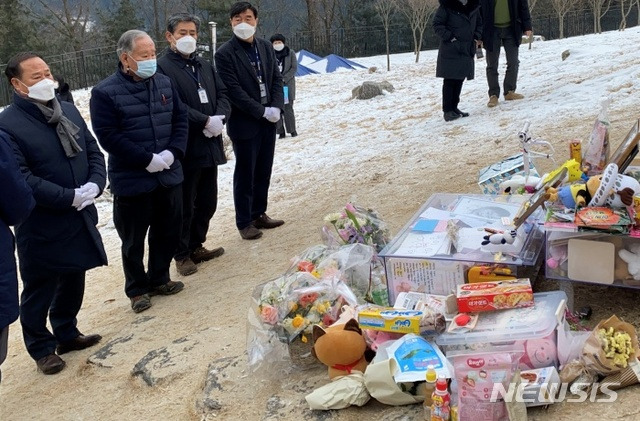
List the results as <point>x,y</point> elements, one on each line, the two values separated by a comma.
<point>160,213</point>
<point>252,174</point>
<point>451,89</point>
<point>60,296</point>
<point>288,120</point>
<point>4,342</point>
<point>504,37</point>
<point>199,203</point>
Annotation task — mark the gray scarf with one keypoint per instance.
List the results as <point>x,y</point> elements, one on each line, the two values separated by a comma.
<point>66,129</point>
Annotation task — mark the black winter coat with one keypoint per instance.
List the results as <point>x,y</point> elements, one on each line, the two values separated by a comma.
<point>133,120</point>
<point>16,201</point>
<point>55,237</point>
<point>202,152</point>
<point>520,20</point>
<point>458,27</point>
<point>241,80</point>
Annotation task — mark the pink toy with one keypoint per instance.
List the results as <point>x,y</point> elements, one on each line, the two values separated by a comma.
<point>376,337</point>
<point>539,353</point>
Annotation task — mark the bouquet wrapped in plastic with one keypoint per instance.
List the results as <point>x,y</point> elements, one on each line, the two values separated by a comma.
<point>355,224</point>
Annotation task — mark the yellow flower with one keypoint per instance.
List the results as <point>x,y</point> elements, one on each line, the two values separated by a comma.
<point>298,321</point>
<point>304,339</point>
<point>321,308</point>
<point>293,306</point>
<point>315,274</point>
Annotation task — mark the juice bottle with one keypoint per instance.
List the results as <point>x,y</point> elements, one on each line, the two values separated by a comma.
<point>430,387</point>
<point>441,405</point>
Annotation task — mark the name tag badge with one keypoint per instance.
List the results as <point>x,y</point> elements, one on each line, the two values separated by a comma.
<point>263,93</point>
<point>203,96</point>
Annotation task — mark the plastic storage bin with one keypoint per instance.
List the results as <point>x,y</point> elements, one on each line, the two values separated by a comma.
<point>421,257</point>
<point>535,328</point>
<point>591,257</point>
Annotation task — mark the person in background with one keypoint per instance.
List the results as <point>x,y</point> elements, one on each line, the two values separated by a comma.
<point>458,24</point>
<point>504,23</point>
<point>205,96</point>
<point>249,69</point>
<point>140,121</point>
<point>288,66</point>
<point>58,242</point>
<point>16,201</point>
<point>63,90</point>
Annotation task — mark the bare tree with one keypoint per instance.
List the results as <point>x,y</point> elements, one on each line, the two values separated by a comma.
<point>418,12</point>
<point>599,8</point>
<point>156,13</point>
<point>624,13</point>
<point>69,19</point>
<point>385,9</point>
<point>532,4</point>
<point>562,7</point>
<point>321,15</point>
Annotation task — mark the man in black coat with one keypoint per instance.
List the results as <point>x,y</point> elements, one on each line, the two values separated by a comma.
<point>140,121</point>
<point>205,96</point>
<point>249,70</point>
<point>504,22</point>
<point>16,201</point>
<point>59,240</point>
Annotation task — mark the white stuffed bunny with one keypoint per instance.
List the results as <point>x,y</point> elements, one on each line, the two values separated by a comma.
<point>632,257</point>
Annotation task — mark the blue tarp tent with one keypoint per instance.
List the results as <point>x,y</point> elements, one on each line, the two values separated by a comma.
<point>305,58</point>
<point>333,62</point>
<point>304,70</point>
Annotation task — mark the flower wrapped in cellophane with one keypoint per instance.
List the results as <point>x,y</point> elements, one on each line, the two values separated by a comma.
<point>355,224</point>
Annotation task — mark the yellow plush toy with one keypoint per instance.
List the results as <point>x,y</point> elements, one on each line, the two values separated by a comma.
<point>342,348</point>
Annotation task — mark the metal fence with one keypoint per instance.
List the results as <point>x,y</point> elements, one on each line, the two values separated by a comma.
<point>85,68</point>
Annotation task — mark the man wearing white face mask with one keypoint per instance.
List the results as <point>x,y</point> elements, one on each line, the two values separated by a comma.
<point>58,242</point>
<point>140,121</point>
<point>205,96</point>
<point>249,69</point>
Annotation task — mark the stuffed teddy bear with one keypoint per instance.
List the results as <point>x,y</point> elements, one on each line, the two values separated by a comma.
<point>342,348</point>
<point>632,257</point>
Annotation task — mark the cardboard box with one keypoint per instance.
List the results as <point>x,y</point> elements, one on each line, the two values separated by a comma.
<point>388,319</point>
<point>498,295</point>
<point>540,386</point>
<point>490,177</point>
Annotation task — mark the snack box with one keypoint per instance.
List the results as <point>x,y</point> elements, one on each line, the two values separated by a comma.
<point>496,295</point>
<point>388,319</point>
<point>540,386</point>
<point>533,328</point>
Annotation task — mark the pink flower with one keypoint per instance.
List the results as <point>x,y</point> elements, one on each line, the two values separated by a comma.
<point>345,234</point>
<point>269,314</point>
<point>305,266</point>
<point>350,208</point>
<point>328,320</point>
<point>308,299</point>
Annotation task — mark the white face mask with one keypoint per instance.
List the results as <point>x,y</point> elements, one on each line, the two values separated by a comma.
<point>186,44</point>
<point>278,47</point>
<point>244,30</point>
<point>44,90</point>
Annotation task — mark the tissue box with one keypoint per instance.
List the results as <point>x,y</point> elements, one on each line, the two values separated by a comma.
<point>389,319</point>
<point>489,178</point>
<point>540,386</point>
<point>497,295</point>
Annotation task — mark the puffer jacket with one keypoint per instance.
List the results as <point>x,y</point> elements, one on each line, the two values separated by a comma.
<point>133,120</point>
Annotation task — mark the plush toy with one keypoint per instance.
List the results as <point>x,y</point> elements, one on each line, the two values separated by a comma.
<point>539,353</point>
<point>612,189</point>
<point>500,237</point>
<point>571,196</point>
<point>342,348</point>
<point>632,258</point>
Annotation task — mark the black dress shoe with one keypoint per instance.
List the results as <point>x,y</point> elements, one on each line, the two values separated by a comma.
<point>294,134</point>
<point>250,233</point>
<point>282,136</point>
<point>264,222</point>
<point>451,115</point>
<point>462,113</point>
<point>51,364</point>
<point>81,342</point>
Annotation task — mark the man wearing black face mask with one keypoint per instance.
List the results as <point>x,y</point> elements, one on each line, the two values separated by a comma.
<point>58,242</point>
<point>140,121</point>
<point>249,70</point>
<point>205,96</point>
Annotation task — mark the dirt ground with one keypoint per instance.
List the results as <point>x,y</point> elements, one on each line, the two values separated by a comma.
<point>213,306</point>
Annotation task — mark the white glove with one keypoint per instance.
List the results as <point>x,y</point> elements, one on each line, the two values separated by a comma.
<point>91,189</point>
<point>157,164</point>
<point>207,132</point>
<point>214,125</point>
<point>272,114</point>
<point>85,204</point>
<point>167,157</point>
<point>79,197</point>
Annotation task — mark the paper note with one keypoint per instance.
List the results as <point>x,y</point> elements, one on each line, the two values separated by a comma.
<point>423,244</point>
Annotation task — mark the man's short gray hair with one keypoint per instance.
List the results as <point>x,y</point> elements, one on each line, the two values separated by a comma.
<point>126,41</point>
<point>174,20</point>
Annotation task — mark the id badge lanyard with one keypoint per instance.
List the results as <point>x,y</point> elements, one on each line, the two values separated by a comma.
<point>202,93</point>
<point>257,67</point>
